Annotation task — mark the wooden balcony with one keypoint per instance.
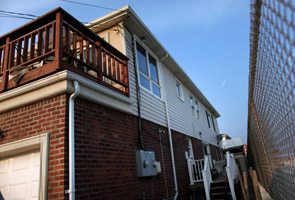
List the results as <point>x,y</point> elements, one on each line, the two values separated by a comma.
<point>57,41</point>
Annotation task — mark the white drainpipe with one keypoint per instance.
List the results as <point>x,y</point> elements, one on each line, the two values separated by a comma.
<point>172,152</point>
<point>170,136</point>
<point>71,190</point>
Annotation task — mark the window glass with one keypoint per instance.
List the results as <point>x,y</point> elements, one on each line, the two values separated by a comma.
<point>144,82</point>
<point>148,70</point>
<point>156,90</point>
<point>141,59</point>
<point>153,69</point>
<point>212,123</point>
<point>192,101</point>
<point>197,109</point>
<point>205,149</point>
<point>178,90</point>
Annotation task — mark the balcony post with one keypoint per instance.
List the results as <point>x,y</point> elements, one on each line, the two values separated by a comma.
<point>3,85</point>
<point>58,40</point>
<point>126,77</point>
<point>99,61</point>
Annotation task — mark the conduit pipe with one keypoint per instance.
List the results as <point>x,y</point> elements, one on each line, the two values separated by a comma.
<point>71,190</point>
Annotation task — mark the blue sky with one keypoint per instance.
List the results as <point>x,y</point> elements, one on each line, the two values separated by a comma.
<point>208,38</point>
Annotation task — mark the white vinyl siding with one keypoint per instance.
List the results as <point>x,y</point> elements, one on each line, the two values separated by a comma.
<point>152,107</point>
<point>181,114</point>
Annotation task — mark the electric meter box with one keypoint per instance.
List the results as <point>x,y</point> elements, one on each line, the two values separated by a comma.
<point>146,163</point>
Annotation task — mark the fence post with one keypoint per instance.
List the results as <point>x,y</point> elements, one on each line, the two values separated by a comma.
<point>246,185</point>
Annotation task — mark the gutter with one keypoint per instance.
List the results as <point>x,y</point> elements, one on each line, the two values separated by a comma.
<point>71,190</point>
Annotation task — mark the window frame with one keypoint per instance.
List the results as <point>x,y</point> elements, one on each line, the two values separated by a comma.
<point>210,121</point>
<point>196,109</point>
<point>177,82</point>
<point>148,53</point>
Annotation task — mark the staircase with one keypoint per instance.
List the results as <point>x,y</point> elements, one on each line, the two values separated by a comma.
<point>220,190</point>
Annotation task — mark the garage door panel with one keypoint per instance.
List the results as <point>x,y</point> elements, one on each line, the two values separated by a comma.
<point>17,191</point>
<point>20,175</point>
<point>3,166</point>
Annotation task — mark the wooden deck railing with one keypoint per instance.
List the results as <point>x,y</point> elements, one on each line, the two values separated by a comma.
<point>58,43</point>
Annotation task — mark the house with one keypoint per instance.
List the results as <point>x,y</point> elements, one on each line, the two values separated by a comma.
<point>88,117</point>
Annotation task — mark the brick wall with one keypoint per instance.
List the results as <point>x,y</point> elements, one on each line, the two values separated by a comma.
<point>198,150</point>
<point>38,118</point>
<point>180,146</point>
<point>106,141</point>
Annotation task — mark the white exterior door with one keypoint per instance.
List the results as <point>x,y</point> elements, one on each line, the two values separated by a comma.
<point>19,176</point>
<point>206,150</point>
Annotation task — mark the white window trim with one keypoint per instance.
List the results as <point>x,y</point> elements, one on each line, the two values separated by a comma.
<point>159,70</point>
<point>180,89</point>
<point>207,145</point>
<point>195,113</point>
<point>211,125</point>
<point>28,144</point>
<point>190,148</point>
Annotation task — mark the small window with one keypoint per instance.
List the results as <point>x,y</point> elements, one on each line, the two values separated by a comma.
<point>148,70</point>
<point>197,110</point>
<point>195,107</point>
<point>192,101</point>
<point>210,121</point>
<point>179,92</point>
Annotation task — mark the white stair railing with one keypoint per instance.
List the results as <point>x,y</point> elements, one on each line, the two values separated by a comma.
<point>232,172</point>
<point>207,177</point>
<point>195,168</point>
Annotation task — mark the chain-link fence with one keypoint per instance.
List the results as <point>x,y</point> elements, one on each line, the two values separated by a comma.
<point>271,113</point>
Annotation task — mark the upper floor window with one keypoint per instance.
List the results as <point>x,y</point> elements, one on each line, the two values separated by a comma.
<point>179,91</point>
<point>148,70</point>
<point>210,121</point>
<point>195,107</point>
<point>197,110</point>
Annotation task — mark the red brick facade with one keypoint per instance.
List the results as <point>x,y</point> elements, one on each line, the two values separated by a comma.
<point>105,143</point>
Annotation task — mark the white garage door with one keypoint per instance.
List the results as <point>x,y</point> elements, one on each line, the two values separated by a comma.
<point>19,176</point>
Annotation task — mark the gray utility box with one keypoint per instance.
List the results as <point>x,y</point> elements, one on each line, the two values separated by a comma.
<point>146,163</point>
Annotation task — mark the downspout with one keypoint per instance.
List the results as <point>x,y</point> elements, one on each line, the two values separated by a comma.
<point>71,190</point>
<point>139,142</point>
<point>170,136</point>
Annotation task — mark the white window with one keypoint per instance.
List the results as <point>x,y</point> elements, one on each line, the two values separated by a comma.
<point>179,91</point>
<point>195,107</point>
<point>197,110</point>
<point>210,121</point>
<point>148,70</point>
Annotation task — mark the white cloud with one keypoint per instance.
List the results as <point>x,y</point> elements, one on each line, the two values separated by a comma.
<point>223,83</point>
